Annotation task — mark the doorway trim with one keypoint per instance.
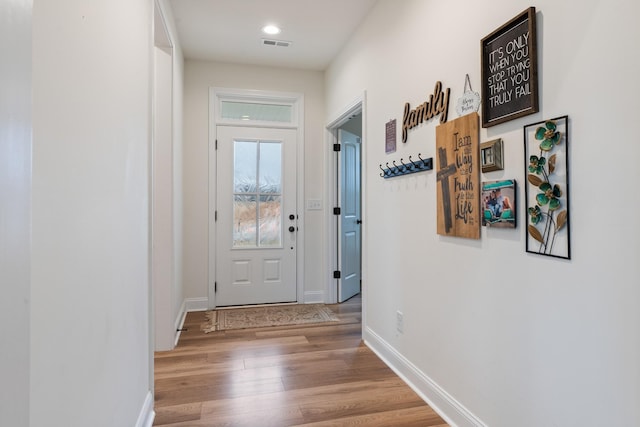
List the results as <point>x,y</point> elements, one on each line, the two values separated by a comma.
<point>165,312</point>
<point>358,105</point>
<point>296,100</point>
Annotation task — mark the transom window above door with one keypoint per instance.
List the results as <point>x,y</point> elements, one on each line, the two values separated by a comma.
<point>256,108</point>
<point>250,111</point>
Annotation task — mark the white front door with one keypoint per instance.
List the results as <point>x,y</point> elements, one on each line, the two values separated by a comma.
<point>256,222</point>
<point>350,235</point>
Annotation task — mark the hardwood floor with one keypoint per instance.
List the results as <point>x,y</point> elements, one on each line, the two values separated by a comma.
<point>308,375</point>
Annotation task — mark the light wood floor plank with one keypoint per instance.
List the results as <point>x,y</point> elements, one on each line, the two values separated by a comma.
<point>307,375</point>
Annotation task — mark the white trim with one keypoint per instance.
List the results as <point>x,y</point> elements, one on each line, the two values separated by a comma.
<point>300,208</point>
<point>212,180</point>
<point>452,411</point>
<point>147,414</point>
<point>196,304</point>
<point>314,297</point>
<point>179,323</point>
<point>297,102</point>
<point>358,105</point>
<point>165,41</point>
<point>342,117</point>
<point>220,95</point>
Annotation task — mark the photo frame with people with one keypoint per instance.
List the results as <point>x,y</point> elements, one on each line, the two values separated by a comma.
<point>499,204</point>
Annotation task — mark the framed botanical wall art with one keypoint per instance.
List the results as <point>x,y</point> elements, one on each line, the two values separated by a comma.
<point>547,187</point>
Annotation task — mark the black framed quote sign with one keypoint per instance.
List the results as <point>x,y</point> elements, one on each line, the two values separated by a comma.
<point>510,70</point>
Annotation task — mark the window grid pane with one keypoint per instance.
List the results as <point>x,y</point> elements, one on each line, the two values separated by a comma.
<point>257,197</point>
<point>244,221</point>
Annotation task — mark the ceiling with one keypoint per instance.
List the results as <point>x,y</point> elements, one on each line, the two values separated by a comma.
<point>230,30</point>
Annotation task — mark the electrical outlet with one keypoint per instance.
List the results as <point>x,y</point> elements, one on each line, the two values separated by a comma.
<point>399,321</point>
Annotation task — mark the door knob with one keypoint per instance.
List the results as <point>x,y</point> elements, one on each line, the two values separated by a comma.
<point>292,217</point>
<point>358,221</point>
<point>292,229</point>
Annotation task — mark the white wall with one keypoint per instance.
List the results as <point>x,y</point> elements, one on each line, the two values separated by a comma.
<point>177,129</point>
<point>90,333</point>
<point>199,77</point>
<point>167,186</point>
<point>513,338</point>
<point>162,205</point>
<point>15,210</point>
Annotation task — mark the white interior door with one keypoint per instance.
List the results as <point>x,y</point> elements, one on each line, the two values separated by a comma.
<point>350,219</point>
<point>256,222</point>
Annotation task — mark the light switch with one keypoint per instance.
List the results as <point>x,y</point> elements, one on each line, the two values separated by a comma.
<point>314,205</point>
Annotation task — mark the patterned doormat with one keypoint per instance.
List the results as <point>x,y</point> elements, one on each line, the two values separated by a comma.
<point>258,317</point>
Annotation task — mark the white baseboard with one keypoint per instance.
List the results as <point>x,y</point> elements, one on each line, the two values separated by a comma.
<point>452,411</point>
<point>196,304</point>
<point>314,297</point>
<point>179,323</point>
<point>147,414</point>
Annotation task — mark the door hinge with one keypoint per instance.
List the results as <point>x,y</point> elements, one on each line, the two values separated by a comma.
<point>336,147</point>
<point>215,287</point>
<point>215,216</point>
<point>216,144</point>
<point>336,211</point>
<point>336,274</point>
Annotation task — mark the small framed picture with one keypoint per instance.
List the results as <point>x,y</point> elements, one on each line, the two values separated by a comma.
<point>491,155</point>
<point>499,203</point>
<point>390,136</point>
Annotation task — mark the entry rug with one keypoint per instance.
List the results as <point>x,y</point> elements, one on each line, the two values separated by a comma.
<point>258,317</point>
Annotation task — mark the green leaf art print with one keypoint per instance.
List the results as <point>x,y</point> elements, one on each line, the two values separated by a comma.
<point>547,187</point>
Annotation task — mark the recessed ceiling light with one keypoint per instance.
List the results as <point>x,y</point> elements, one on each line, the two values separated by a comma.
<point>271,29</point>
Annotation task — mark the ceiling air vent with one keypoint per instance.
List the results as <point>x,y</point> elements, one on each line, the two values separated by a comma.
<point>281,43</point>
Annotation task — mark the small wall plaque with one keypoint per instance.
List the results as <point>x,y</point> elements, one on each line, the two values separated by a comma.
<point>491,155</point>
<point>390,136</point>
<point>469,102</point>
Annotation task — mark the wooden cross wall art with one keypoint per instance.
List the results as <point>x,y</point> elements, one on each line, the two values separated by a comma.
<point>458,173</point>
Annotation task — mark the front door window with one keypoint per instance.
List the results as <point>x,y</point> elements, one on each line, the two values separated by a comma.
<point>257,194</point>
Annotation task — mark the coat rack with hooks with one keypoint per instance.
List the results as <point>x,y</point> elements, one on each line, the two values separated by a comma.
<point>392,170</point>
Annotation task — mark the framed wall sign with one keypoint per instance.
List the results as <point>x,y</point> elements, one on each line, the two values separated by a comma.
<point>458,177</point>
<point>510,70</point>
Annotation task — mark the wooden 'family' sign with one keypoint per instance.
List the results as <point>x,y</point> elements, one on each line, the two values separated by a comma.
<point>458,171</point>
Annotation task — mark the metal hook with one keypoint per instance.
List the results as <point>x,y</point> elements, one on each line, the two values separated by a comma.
<point>404,167</point>
<point>397,171</point>
<point>384,173</point>
<point>413,164</point>
<point>387,171</point>
<point>423,162</point>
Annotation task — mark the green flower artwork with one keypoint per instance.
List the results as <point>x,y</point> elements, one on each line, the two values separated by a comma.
<point>547,187</point>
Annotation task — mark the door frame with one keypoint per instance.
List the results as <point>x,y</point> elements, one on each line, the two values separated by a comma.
<point>356,106</point>
<point>296,100</point>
